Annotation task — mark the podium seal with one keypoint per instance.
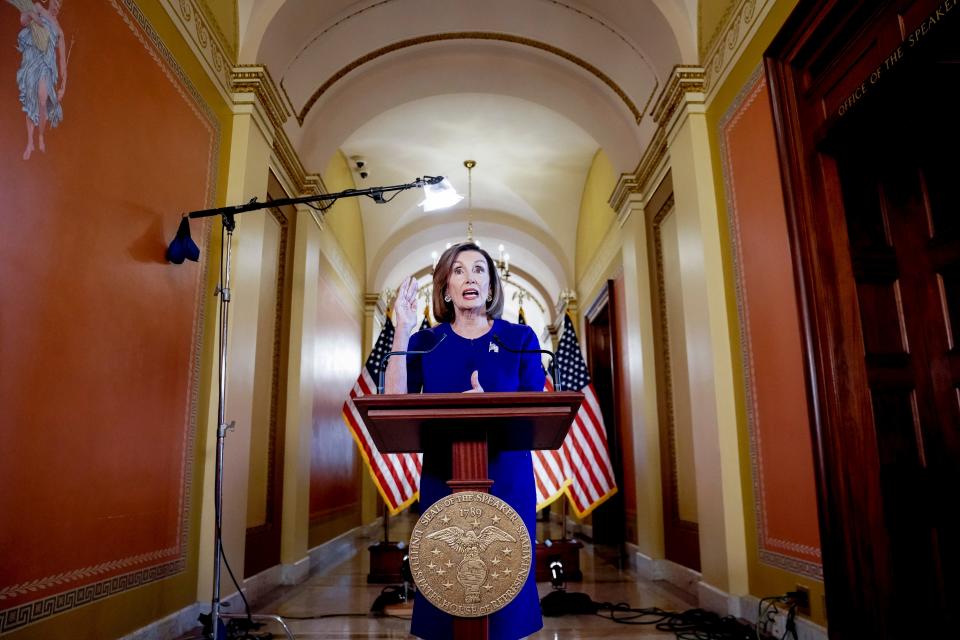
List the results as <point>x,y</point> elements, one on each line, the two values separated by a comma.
<point>470,554</point>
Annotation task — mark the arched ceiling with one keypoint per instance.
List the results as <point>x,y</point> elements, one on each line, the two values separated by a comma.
<point>530,89</point>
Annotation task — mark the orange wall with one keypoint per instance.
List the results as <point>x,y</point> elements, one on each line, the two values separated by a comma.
<point>335,464</point>
<point>781,451</point>
<point>99,336</point>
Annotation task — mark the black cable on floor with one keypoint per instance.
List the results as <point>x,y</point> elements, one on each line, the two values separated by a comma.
<point>341,615</point>
<point>694,624</point>
<point>246,604</point>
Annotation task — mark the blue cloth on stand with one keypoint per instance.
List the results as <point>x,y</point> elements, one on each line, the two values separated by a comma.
<point>447,370</point>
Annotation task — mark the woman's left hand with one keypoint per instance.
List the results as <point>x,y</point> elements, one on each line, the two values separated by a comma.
<point>475,383</point>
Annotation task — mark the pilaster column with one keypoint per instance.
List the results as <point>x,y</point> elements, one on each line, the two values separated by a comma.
<point>251,143</point>
<point>680,111</point>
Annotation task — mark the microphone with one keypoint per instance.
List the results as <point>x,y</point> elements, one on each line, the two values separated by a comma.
<point>383,361</point>
<point>553,360</point>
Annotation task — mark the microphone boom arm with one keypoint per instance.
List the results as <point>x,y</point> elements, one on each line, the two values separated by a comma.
<point>253,205</point>
<point>383,360</point>
<point>555,371</point>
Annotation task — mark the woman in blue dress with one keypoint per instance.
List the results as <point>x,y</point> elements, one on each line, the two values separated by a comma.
<point>468,301</point>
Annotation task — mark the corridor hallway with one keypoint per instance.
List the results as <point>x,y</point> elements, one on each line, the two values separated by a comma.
<point>338,585</point>
<point>741,214</point>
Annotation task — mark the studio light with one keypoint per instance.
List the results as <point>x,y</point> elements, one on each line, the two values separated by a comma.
<point>439,196</point>
<point>440,193</point>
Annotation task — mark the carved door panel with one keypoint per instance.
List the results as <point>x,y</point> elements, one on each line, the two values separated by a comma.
<point>902,211</point>
<point>863,95</point>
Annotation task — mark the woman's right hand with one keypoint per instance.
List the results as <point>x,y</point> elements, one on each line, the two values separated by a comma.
<point>405,306</point>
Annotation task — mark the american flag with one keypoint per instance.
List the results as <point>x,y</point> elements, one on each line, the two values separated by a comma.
<point>397,475</point>
<point>551,473</point>
<point>581,466</point>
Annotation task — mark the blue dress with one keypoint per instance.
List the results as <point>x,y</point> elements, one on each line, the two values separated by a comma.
<point>447,370</point>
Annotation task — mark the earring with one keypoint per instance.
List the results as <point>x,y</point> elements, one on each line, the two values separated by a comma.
<point>490,297</point>
<point>447,298</point>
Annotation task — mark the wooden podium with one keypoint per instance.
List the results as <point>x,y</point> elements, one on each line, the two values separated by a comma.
<point>467,424</point>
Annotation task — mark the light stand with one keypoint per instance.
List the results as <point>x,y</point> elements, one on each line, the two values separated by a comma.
<point>217,629</point>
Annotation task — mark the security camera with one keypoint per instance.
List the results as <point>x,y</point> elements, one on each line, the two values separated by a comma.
<point>363,175</point>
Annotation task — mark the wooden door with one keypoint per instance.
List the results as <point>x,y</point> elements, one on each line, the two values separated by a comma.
<point>609,519</point>
<point>902,213</point>
<point>864,96</point>
<point>265,486</point>
<point>681,531</point>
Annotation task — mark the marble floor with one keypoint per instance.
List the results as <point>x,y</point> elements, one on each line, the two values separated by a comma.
<point>341,588</point>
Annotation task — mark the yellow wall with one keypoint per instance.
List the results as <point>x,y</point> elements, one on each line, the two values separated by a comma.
<point>764,579</point>
<point>344,217</point>
<point>595,214</point>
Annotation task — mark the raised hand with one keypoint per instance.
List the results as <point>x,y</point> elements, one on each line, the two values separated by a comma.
<point>475,383</point>
<point>405,306</point>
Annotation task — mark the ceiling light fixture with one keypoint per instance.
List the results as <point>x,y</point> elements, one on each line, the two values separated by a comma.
<point>470,164</point>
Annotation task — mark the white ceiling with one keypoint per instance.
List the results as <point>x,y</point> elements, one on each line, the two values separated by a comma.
<point>530,89</point>
<point>531,163</point>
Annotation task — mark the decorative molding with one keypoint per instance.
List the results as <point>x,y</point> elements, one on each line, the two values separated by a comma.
<point>683,80</point>
<point>304,183</point>
<point>599,302</point>
<point>32,612</point>
<point>470,35</point>
<point>256,79</point>
<point>222,39</point>
<point>638,182</point>
<point>661,301</point>
<point>772,551</point>
<point>205,40</point>
<point>704,47</point>
<point>685,84</point>
<point>566,303</point>
<point>739,24</point>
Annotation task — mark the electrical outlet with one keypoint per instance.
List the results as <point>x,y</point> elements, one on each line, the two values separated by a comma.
<point>779,627</point>
<point>802,599</point>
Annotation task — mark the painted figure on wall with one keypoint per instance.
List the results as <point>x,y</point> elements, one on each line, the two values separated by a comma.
<point>42,76</point>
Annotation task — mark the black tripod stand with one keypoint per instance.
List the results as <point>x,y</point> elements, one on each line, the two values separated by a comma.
<point>214,626</point>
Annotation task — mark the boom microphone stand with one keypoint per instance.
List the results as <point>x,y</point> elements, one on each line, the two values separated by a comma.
<point>217,629</point>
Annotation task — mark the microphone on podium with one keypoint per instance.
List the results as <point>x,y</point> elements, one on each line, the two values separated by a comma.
<point>553,360</point>
<point>383,361</point>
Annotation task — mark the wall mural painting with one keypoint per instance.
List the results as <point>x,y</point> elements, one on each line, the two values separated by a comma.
<point>781,453</point>
<point>42,76</point>
<point>100,338</point>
